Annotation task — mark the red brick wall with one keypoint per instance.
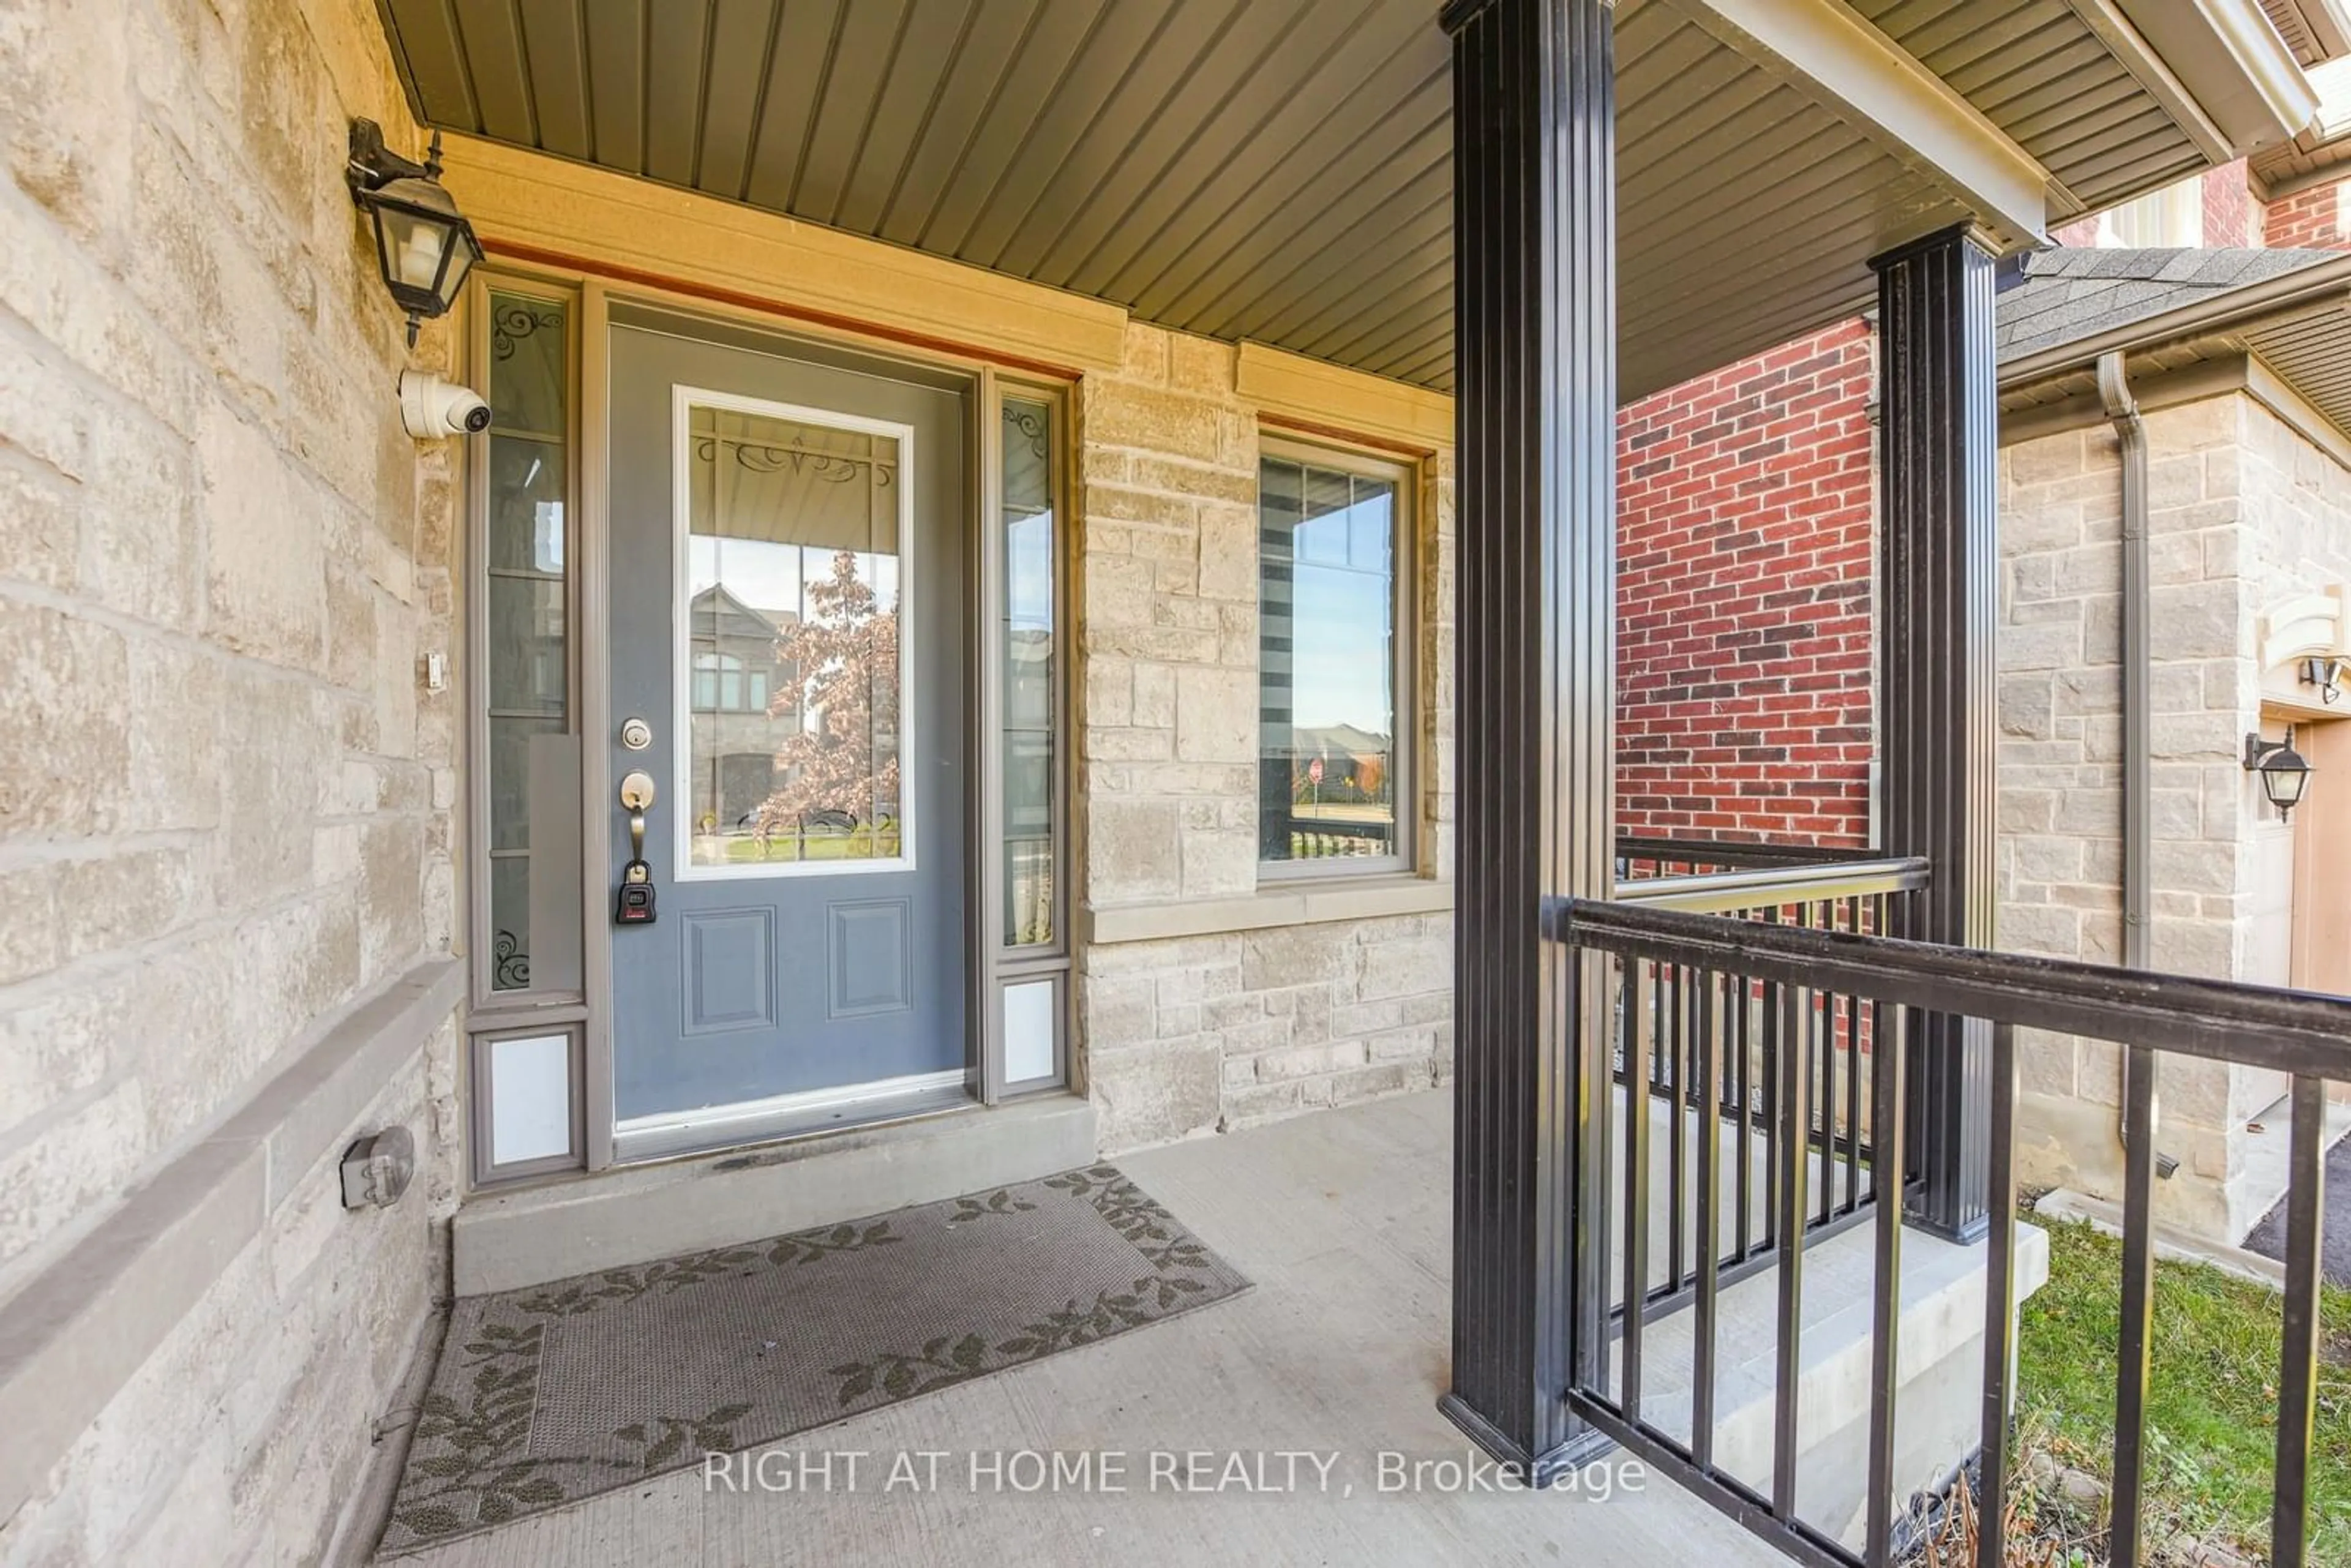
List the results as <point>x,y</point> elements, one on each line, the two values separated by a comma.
<point>1744,549</point>
<point>2230,217</point>
<point>2306,218</point>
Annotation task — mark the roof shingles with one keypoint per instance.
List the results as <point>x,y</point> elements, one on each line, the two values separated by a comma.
<point>2067,295</point>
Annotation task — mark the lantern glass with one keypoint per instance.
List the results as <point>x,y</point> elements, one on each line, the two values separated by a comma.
<point>414,247</point>
<point>423,244</point>
<point>2284,778</point>
<point>464,251</point>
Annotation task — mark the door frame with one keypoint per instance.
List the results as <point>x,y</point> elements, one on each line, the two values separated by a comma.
<point>991,967</point>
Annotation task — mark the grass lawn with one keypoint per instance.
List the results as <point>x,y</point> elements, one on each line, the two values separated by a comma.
<point>2211,1399</point>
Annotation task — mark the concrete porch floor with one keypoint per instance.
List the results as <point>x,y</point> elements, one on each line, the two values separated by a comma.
<point>1343,1220</point>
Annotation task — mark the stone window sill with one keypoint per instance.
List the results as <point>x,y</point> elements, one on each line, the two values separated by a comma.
<point>1289,904</point>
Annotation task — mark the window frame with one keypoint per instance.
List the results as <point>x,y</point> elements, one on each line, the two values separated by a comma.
<point>1404,633</point>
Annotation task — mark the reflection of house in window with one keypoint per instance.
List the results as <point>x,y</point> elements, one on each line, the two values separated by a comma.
<point>734,672</point>
<point>1355,765</point>
<point>722,684</point>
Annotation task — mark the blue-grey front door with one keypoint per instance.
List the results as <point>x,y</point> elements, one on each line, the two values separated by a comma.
<point>788,618</point>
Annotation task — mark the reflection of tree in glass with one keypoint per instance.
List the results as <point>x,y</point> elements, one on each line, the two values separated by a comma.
<point>844,654</point>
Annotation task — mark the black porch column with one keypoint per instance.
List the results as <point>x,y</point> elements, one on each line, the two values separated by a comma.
<point>1940,433</point>
<point>1534,234</point>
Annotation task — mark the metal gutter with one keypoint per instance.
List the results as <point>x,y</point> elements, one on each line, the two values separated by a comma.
<point>2138,676</point>
<point>2308,285</point>
<point>2130,431</point>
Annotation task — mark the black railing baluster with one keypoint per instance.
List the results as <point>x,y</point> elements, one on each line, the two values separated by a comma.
<point>1745,1032</point>
<point>1767,1015</point>
<point>1794,1108</point>
<point>2305,1224</point>
<point>1885,1319</point>
<point>1854,1038</point>
<point>1676,1038</point>
<point>1595,1199</point>
<point>2138,1303</point>
<point>1824,1024</point>
<point>1637,1043</point>
<point>1765,1001</point>
<point>2000,1277</point>
<point>1709,1040</point>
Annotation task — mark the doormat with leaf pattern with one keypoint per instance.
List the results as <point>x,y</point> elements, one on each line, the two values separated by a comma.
<point>554,1393</point>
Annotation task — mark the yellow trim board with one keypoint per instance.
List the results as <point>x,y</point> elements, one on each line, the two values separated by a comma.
<point>1292,386</point>
<point>548,203</point>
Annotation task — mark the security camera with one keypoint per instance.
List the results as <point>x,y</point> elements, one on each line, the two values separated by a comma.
<point>431,408</point>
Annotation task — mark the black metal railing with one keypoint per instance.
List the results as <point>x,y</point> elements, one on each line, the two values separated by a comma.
<point>1717,964</point>
<point>1823,890</point>
<point>1640,858</point>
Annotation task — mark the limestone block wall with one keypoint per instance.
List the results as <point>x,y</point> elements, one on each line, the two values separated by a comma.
<point>227,817</point>
<point>2217,471</point>
<point>1228,1019</point>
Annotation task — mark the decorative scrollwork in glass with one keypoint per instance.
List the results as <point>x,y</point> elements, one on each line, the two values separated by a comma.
<point>1031,424</point>
<point>516,320</point>
<point>510,966</point>
<point>827,467</point>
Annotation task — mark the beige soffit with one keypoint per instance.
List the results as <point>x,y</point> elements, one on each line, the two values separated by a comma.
<point>2164,378</point>
<point>1836,58</point>
<point>2228,54</point>
<point>530,207</point>
<point>2322,149</point>
<point>2314,30</point>
<point>1348,402</point>
<point>1281,173</point>
<point>2106,23</point>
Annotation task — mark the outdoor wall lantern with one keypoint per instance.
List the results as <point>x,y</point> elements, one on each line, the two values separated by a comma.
<point>2285,773</point>
<point>423,242</point>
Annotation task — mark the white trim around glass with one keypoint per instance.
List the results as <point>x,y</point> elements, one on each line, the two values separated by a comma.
<point>683,400</point>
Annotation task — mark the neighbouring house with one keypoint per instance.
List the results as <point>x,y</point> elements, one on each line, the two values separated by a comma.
<point>2228,373</point>
<point>1746,690</point>
<point>633,629</point>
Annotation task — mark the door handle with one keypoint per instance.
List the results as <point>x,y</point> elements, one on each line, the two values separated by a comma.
<point>637,798</point>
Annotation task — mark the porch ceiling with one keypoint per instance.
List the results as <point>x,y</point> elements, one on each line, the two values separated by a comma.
<point>1282,173</point>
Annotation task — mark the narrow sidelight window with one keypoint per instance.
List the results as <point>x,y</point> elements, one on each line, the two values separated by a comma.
<point>1028,630</point>
<point>1332,531</point>
<point>532,842</point>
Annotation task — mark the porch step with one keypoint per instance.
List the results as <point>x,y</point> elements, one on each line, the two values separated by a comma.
<point>1941,1368</point>
<point>637,1213</point>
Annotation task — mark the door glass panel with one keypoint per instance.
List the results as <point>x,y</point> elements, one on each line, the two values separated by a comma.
<point>793,678</point>
<point>526,649</point>
<point>1028,633</point>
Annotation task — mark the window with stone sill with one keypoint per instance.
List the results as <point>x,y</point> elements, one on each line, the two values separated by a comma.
<point>1335,532</point>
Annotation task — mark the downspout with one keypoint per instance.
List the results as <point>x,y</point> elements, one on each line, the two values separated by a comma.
<point>2138,675</point>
